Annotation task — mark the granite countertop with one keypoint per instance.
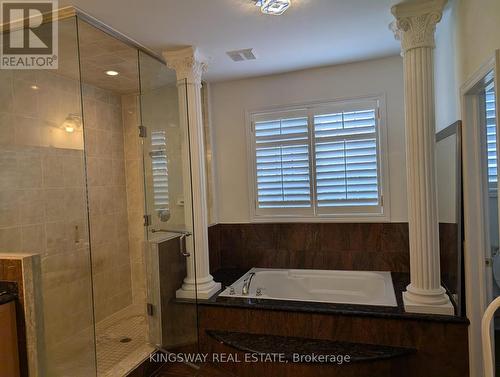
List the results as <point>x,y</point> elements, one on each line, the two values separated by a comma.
<point>290,346</point>
<point>400,281</point>
<point>8,292</point>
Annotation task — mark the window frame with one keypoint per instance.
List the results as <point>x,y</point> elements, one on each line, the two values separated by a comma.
<point>492,187</point>
<point>312,214</point>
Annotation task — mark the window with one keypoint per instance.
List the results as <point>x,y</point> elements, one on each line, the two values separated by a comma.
<point>159,163</point>
<point>282,163</point>
<point>491,139</point>
<point>321,160</point>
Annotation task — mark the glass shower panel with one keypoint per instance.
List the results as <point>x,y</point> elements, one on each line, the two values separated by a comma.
<point>110,87</point>
<point>44,207</point>
<point>167,185</point>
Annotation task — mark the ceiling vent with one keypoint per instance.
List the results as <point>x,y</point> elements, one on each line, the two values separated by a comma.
<point>241,55</point>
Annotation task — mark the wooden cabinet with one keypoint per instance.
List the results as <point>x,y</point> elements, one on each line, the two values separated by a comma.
<point>9,357</point>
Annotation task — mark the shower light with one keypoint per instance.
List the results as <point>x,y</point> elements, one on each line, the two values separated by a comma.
<point>112,73</point>
<point>273,7</point>
<point>71,123</point>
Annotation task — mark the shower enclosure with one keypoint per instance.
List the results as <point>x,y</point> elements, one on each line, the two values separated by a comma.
<point>96,181</point>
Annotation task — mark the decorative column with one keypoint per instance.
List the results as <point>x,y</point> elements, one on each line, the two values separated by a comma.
<point>189,66</point>
<point>414,26</point>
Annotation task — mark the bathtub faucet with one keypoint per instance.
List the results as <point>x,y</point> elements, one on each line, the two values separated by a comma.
<point>246,283</point>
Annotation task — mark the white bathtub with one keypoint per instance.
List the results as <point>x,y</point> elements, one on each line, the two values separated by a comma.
<point>331,286</point>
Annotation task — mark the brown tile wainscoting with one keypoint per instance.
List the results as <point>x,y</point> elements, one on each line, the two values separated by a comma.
<point>441,347</point>
<point>340,246</point>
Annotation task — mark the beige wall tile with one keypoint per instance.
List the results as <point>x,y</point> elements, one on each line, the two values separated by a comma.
<point>55,204</point>
<point>102,228</point>
<point>103,112</point>
<point>58,237</point>
<point>7,126</point>
<point>27,131</point>
<point>29,169</point>
<point>6,91</point>
<point>10,240</point>
<point>25,99</point>
<point>9,208</point>
<point>8,167</point>
<point>43,201</point>
<point>52,167</point>
<point>31,206</point>
<point>117,145</point>
<point>33,238</point>
<point>104,141</point>
<point>73,171</point>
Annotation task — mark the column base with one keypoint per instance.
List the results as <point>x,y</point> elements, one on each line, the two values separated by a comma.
<point>202,289</point>
<point>414,305</point>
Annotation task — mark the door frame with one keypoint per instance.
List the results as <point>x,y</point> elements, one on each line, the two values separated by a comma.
<point>477,275</point>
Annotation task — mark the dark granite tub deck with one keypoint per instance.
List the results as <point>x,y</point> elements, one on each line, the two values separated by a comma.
<point>400,280</point>
<point>388,341</point>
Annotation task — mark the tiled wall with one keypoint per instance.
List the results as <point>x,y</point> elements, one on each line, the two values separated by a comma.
<point>42,195</point>
<point>43,206</point>
<point>341,246</point>
<point>104,142</point>
<point>135,196</point>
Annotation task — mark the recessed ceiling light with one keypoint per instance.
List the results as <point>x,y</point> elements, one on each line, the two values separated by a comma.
<point>273,7</point>
<point>34,87</point>
<point>112,73</point>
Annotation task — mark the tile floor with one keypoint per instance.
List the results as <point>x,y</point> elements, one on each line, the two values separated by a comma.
<point>122,342</point>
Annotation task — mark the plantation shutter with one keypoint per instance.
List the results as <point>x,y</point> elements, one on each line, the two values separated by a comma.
<point>347,171</point>
<point>491,139</point>
<point>282,163</point>
<point>160,171</point>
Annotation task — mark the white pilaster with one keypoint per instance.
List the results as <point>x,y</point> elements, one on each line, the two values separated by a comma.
<point>189,66</point>
<point>415,25</point>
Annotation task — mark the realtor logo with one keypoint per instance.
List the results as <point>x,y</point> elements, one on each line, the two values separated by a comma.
<point>29,35</point>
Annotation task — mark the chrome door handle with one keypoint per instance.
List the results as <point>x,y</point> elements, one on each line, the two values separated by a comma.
<point>183,232</point>
<point>182,244</point>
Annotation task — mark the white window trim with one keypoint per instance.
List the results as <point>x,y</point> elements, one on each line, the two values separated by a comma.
<point>296,215</point>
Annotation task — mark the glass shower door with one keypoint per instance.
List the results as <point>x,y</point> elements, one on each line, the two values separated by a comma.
<point>43,207</point>
<point>169,216</point>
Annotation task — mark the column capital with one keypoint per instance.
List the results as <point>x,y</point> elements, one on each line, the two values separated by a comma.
<point>415,22</point>
<point>188,63</point>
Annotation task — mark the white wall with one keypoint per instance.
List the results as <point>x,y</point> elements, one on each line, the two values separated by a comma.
<point>466,37</point>
<point>474,28</point>
<point>446,69</point>
<point>446,167</point>
<point>478,33</point>
<point>232,99</point>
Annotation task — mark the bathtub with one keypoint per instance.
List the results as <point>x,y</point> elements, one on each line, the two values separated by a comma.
<point>330,286</point>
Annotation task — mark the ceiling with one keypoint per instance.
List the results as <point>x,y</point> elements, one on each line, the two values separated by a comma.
<point>311,33</point>
<point>98,52</point>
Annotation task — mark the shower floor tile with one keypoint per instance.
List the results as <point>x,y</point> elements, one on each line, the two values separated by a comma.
<point>121,342</point>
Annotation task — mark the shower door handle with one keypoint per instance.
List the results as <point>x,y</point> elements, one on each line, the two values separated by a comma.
<point>182,245</point>
<point>182,239</point>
